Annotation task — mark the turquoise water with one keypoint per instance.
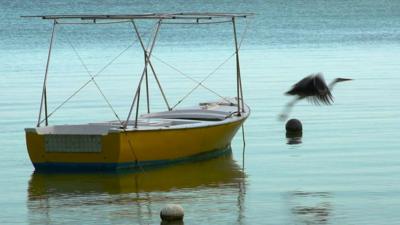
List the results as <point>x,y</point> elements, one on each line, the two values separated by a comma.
<point>346,171</point>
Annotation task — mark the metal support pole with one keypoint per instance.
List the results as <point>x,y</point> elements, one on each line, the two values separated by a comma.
<point>43,100</point>
<point>133,102</point>
<point>238,80</point>
<point>137,108</point>
<point>159,86</point>
<point>147,87</point>
<point>143,73</point>
<point>45,107</point>
<point>241,92</point>
<point>148,54</point>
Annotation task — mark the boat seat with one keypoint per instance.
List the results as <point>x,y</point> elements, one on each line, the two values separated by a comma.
<point>190,114</point>
<point>84,129</point>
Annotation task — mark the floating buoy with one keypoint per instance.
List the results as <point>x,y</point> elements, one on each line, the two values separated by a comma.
<point>172,212</point>
<point>294,126</point>
<point>294,131</point>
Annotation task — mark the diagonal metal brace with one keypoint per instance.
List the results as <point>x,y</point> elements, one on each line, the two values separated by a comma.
<point>142,76</point>
<point>147,58</point>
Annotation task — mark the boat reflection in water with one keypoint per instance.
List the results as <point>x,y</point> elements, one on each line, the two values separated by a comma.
<point>136,196</point>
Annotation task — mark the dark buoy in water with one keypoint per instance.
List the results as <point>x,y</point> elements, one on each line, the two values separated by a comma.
<point>294,126</point>
<point>294,131</point>
<point>171,213</point>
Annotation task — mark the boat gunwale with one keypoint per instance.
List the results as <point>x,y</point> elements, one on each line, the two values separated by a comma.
<point>197,125</point>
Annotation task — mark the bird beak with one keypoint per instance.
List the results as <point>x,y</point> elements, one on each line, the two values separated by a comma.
<point>343,79</point>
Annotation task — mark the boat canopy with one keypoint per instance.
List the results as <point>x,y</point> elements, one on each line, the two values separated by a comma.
<point>163,16</point>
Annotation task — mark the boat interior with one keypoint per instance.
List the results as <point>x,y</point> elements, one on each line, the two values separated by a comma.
<point>204,114</point>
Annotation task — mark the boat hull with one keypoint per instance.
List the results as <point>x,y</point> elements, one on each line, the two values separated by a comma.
<point>136,149</point>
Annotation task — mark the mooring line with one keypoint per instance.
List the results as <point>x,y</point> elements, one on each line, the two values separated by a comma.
<point>96,75</point>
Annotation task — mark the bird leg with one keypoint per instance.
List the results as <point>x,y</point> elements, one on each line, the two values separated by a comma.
<point>285,113</point>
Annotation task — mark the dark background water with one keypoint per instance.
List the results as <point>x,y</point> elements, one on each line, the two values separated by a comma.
<point>278,23</point>
<point>346,171</point>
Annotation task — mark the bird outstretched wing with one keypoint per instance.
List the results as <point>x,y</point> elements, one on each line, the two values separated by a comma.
<point>301,88</point>
<point>321,92</point>
<point>313,88</point>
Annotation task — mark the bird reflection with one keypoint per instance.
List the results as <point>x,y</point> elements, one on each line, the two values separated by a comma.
<point>310,207</point>
<point>314,89</point>
<point>49,195</point>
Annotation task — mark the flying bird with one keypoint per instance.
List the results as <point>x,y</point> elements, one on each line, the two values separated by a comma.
<point>314,89</point>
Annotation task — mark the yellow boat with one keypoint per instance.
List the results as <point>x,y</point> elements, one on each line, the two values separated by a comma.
<point>151,139</point>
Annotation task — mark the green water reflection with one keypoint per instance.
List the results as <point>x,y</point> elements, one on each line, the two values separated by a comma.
<point>50,196</point>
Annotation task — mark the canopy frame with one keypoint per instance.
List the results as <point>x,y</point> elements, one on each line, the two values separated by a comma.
<point>157,16</point>
<point>167,18</point>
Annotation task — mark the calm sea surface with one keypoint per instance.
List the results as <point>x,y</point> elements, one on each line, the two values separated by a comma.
<point>346,171</point>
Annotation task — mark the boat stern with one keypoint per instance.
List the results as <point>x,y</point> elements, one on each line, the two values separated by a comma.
<point>72,151</point>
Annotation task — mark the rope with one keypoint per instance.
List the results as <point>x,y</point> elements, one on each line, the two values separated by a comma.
<point>132,150</point>
<point>208,76</point>
<point>244,147</point>
<point>94,81</point>
<point>202,81</point>
<point>192,79</point>
<point>96,75</point>
<point>246,28</point>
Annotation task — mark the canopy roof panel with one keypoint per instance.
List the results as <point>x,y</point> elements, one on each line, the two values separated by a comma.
<point>163,16</point>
